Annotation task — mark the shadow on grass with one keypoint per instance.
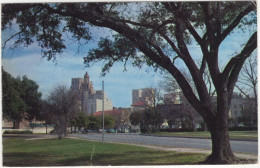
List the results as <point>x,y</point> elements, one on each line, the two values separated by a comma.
<point>134,158</point>
<point>24,159</point>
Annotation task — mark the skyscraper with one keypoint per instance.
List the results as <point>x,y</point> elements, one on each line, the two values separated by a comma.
<point>89,100</point>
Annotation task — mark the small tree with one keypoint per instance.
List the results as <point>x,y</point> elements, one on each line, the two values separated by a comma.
<point>109,121</point>
<point>62,105</point>
<point>136,118</point>
<point>94,122</point>
<point>46,114</point>
<point>81,121</point>
<point>247,85</point>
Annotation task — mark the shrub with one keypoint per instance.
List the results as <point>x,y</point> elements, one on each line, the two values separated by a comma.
<point>53,131</point>
<point>18,132</point>
<point>242,128</point>
<point>177,130</point>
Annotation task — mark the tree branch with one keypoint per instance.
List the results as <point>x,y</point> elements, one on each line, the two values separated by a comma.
<point>242,91</point>
<point>11,38</point>
<point>226,32</point>
<point>245,53</point>
<point>169,41</point>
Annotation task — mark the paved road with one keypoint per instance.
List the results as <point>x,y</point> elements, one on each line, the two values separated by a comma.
<point>237,146</point>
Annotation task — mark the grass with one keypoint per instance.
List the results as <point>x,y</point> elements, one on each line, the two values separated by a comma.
<point>234,135</point>
<point>17,151</point>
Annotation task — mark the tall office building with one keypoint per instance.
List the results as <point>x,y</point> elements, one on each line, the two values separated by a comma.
<point>89,100</point>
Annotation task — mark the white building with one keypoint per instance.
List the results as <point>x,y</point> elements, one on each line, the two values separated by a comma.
<point>236,105</point>
<point>89,100</point>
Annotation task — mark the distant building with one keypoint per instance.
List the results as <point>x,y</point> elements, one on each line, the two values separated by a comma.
<point>173,98</point>
<point>89,100</point>
<point>121,116</point>
<point>236,106</point>
<point>34,126</point>
<point>142,98</point>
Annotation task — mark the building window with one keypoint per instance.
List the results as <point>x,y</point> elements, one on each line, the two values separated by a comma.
<point>235,106</point>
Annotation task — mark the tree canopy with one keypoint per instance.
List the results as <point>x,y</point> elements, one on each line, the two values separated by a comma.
<point>21,98</point>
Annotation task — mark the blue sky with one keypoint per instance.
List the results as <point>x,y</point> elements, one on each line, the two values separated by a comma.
<point>48,74</point>
<point>118,83</point>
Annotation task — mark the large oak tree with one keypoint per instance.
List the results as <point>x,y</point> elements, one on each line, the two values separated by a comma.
<point>156,34</point>
<point>21,99</point>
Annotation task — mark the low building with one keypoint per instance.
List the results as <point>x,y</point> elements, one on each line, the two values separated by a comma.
<point>34,126</point>
<point>121,116</point>
<point>236,105</point>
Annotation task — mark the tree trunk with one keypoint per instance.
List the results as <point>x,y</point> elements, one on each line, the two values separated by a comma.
<point>60,132</point>
<point>221,149</point>
<point>65,126</point>
<point>16,124</point>
<point>46,127</point>
<point>205,128</point>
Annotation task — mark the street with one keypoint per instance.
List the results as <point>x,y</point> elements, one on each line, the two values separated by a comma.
<point>237,146</point>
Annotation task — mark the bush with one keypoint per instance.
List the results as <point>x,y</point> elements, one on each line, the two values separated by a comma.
<point>144,129</point>
<point>18,132</point>
<point>200,129</point>
<point>177,130</point>
<point>52,132</point>
<point>242,128</point>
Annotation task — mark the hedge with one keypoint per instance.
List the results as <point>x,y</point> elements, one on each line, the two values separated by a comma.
<point>242,128</point>
<point>18,132</point>
<point>177,130</point>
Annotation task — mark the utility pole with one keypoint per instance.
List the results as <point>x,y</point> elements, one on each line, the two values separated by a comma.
<point>103,95</point>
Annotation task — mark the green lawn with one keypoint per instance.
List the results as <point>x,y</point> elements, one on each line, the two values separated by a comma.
<point>74,152</point>
<point>235,135</point>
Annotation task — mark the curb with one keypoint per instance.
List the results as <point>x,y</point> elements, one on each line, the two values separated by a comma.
<point>196,137</point>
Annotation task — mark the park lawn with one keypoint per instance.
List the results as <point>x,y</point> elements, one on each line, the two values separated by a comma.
<point>234,135</point>
<point>76,152</point>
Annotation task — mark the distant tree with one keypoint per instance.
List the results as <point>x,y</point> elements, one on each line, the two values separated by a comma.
<point>153,118</point>
<point>73,123</point>
<point>156,34</point>
<point>122,118</point>
<point>13,105</point>
<point>46,114</point>
<point>148,119</point>
<point>247,85</point>
<point>94,122</point>
<point>62,105</point>
<point>109,122</point>
<point>21,99</point>
<point>136,118</point>
<point>32,98</point>
<point>81,121</point>
<point>170,122</point>
<point>170,86</point>
<point>249,113</point>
